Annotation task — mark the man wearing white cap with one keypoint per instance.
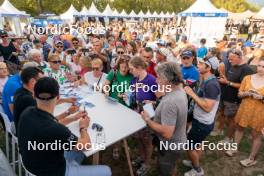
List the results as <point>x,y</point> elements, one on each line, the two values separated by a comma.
<point>162,55</point>
<point>206,105</point>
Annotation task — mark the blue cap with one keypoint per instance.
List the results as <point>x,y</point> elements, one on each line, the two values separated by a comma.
<point>161,42</point>
<point>187,53</point>
<point>248,44</point>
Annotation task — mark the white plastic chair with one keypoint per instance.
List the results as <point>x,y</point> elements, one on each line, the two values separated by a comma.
<point>14,142</point>
<point>7,131</point>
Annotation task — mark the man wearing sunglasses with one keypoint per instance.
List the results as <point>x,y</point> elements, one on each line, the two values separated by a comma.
<point>230,86</point>
<point>58,49</point>
<point>7,47</point>
<point>75,44</point>
<point>56,69</point>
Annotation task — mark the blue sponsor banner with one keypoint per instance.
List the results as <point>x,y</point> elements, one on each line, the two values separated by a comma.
<point>204,14</point>
<point>45,22</point>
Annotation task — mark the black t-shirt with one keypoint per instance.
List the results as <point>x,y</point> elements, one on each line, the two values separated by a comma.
<point>40,127</point>
<point>7,50</point>
<point>22,100</point>
<point>235,74</point>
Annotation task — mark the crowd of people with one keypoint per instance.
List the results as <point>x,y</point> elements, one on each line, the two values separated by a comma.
<point>210,88</point>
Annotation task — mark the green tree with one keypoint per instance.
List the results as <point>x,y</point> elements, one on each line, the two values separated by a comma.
<point>34,7</point>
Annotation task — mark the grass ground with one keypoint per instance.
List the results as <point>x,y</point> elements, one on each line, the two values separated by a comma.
<point>215,163</point>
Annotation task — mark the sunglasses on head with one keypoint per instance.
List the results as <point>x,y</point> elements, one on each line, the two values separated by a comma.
<point>236,53</point>
<point>56,62</point>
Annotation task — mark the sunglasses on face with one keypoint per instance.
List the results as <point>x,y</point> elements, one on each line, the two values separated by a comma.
<point>56,62</point>
<point>3,36</point>
<point>75,43</point>
<point>120,52</point>
<point>59,46</point>
<point>95,68</point>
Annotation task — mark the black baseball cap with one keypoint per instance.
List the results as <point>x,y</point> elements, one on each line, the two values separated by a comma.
<point>46,88</point>
<point>3,33</point>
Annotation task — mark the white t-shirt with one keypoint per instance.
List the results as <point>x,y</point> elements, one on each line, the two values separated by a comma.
<point>92,81</point>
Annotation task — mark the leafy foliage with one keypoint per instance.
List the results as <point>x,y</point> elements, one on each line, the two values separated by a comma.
<point>34,7</point>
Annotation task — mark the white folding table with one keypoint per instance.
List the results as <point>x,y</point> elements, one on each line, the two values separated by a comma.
<point>117,120</point>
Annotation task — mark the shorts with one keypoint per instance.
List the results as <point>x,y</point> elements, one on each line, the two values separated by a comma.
<point>230,109</point>
<point>198,132</point>
<point>221,105</point>
<point>167,161</point>
<point>144,134</point>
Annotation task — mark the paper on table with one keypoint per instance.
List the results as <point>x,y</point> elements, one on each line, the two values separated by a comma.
<point>61,108</point>
<point>149,109</point>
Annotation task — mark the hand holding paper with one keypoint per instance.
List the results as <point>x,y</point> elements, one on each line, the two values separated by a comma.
<point>149,109</point>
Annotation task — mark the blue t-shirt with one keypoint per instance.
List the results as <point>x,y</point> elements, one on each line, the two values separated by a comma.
<point>147,92</point>
<point>9,90</point>
<point>202,52</point>
<point>190,73</point>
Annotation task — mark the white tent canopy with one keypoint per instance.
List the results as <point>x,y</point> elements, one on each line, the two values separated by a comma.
<point>148,14</point>
<point>93,11</point>
<point>3,12</point>
<point>241,16</point>
<point>132,14</point>
<point>141,14</point>
<point>69,14</point>
<point>123,14</point>
<point>260,14</point>
<point>162,15</point>
<point>10,10</point>
<point>107,11</point>
<point>8,7</point>
<point>84,11</point>
<point>203,8</point>
<point>115,13</point>
<point>167,15</point>
<point>155,15</point>
<point>211,22</point>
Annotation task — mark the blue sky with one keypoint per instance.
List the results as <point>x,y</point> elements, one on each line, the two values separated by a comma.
<point>259,2</point>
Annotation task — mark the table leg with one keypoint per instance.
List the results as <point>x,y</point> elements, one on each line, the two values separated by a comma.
<point>96,158</point>
<point>128,157</point>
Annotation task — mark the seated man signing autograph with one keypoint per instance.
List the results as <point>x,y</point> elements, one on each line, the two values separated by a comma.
<point>38,125</point>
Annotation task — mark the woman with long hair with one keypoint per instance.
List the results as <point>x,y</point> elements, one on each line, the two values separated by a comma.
<point>250,113</point>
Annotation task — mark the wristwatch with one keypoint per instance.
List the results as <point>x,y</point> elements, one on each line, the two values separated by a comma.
<point>230,83</point>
